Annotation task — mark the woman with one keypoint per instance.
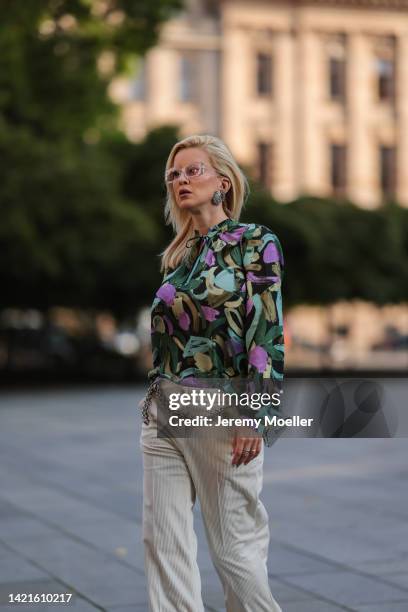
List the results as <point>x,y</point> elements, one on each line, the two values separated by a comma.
<point>217,315</point>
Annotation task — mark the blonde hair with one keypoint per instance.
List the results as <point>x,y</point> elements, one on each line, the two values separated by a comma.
<point>223,162</point>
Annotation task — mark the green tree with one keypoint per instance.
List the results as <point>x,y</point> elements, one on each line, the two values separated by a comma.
<point>336,250</point>
<point>68,228</point>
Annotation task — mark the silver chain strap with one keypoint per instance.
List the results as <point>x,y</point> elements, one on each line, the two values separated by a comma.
<point>154,388</point>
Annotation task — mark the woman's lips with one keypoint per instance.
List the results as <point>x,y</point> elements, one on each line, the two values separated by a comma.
<point>183,195</point>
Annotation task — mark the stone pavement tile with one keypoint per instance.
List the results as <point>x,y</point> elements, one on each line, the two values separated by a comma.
<point>211,586</point>
<point>383,566</point>
<point>332,459</point>
<point>8,510</point>
<point>80,479</point>
<point>320,510</point>
<point>213,598</point>
<point>286,561</point>
<point>204,560</point>
<point>54,505</point>
<point>137,607</point>
<point>213,594</point>
<point>314,605</point>
<point>348,543</point>
<point>327,511</point>
<point>22,526</point>
<point>399,579</point>
<point>120,537</point>
<point>203,554</point>
<point>284,593</point>
<point>344,537</point>
<point>391,533</point>
<point>86,570</point>
<point>14,567</point>
<point>385,493</point>
<point>334,546</point>
<point>390,606</point>
<point>98,488</point>
<point>125,504</point>
<point>348,588</point>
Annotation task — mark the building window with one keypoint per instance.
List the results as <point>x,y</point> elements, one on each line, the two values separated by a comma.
<point>137,87</point>
<point>264,173</point>
<point>387,171</point>
<point>385,78</point>
<point>337,67</point>
<point>264,74</point>
<point>338,168</point>
<point>384,64</point>
<point>187,77</point>
<point>336,54</point>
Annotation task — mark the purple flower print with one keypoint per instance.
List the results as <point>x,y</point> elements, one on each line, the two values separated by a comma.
<point>210,258</point>
<point>258,357</point>
<point>271,253</point>
<point>210,313</point>
<point>233,236</point>
<point>262,279</point>
<point>166,293</point>
<point>249,305</point>
<point>169,324</point>
<point>184,321</point>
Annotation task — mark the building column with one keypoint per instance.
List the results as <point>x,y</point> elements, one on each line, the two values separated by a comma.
<point>309,151</point>
<point>362,164</point>
<point>285,187</point>
<point>208,90</point>
<point>162,74</point>
<point>235,84</point>
<point>402,121</point>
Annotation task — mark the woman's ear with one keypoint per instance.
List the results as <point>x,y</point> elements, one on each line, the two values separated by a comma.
<point>226,184</point>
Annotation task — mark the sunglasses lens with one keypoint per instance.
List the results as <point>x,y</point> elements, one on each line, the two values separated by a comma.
<point>193,170</point>
<point>172,175</point>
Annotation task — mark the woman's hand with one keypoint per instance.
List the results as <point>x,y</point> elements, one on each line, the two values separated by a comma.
<point>245,448</point>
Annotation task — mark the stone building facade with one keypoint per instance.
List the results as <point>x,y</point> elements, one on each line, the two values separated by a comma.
<point>310,95</point>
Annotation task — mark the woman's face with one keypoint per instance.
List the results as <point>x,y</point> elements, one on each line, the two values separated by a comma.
<point>199,189</point>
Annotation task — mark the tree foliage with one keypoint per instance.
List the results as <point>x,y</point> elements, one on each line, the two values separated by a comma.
<point>68,230</point>
<point>336,250</point>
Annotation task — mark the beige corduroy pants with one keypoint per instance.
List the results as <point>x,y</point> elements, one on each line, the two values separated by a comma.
<point>177,471</point>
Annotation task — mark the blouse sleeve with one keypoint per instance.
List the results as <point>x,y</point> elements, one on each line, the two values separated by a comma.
<point>264,340</point>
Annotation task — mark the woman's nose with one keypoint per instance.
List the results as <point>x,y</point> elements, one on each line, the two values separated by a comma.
<point>183,178</point>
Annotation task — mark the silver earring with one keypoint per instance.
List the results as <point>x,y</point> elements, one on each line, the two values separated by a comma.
<point>218,197</point>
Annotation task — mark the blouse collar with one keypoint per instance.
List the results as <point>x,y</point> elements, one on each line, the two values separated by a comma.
<point>222,226</point>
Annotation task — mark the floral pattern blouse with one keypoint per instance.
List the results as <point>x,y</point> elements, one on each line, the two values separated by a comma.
<point>219,314</point>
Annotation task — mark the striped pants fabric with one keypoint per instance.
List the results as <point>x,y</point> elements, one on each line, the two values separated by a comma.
<point>177,471</point>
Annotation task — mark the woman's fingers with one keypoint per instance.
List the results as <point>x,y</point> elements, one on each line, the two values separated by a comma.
<point>237,446</point>
<point>245,449</point>
<point>254,451</point>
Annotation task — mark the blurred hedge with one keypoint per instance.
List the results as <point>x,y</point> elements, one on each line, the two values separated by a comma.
<point>336,250</point>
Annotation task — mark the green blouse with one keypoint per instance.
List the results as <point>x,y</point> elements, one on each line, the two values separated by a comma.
<point>219,313</point>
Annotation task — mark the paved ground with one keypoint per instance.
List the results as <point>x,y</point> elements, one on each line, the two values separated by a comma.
<point>70,511</point>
